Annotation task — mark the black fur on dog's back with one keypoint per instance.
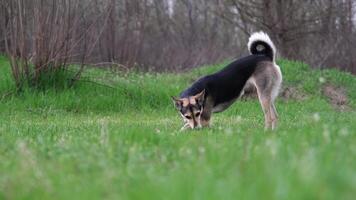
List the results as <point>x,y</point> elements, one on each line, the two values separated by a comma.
<point>227,84</point>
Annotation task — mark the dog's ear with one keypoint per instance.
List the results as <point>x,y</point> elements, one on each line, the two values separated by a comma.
<point>200,97</point>
<point>178,103</point>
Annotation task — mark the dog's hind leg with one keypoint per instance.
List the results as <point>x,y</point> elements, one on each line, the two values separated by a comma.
<point>274,110</point>
<point>274,116</point>
<point>267,81</point>
<point>265,102</point>
<point>263,86</point>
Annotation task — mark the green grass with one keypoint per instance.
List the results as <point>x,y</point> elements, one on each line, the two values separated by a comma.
<point>122,142</point>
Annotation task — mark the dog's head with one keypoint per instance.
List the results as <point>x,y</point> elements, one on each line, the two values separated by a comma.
<point>190,109</point>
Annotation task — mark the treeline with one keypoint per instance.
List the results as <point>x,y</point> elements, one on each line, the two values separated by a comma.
<point>42,35</point>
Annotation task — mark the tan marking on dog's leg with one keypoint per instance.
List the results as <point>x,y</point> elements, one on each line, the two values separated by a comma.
<point>267,82</point>
<point>266,107</point>
<point>274,116</point>
<point>275,110</point>
<point>205,123</point>
<point>206,115</point>
<point>205,118</point>
<point>265,101</point>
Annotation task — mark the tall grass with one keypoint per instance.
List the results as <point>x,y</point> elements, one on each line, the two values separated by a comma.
<point>103,91</point>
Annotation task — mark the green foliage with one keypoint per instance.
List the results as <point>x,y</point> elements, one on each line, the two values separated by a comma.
<point>6,82</point>
<point>93,141</point>
<point>59,79</point>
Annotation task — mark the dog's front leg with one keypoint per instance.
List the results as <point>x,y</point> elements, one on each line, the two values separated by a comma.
<point>206,115</point>
<point>205,121</point>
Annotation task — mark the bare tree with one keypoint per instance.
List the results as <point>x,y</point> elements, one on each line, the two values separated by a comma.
<point>43,37</point>
<point>314,31</point>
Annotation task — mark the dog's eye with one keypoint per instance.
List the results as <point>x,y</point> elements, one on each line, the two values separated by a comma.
<point>197,114</point>
<point>188,117</point>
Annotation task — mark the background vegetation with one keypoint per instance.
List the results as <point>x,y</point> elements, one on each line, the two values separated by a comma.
<point>119,140</point>
<point>42,36</point>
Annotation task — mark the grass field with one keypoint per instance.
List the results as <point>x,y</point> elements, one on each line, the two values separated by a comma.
<point>122,141</point>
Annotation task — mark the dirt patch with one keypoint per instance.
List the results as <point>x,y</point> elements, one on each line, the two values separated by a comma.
<point>289,92</point>
<point>337,97</point>
<point>286,93</point>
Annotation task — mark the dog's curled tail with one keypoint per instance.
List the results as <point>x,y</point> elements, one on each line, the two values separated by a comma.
<point>260,43</point>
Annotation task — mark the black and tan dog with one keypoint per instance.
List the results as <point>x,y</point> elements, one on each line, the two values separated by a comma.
<point>216,92</point>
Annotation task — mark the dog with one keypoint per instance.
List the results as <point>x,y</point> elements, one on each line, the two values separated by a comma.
<point>216,92</point>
